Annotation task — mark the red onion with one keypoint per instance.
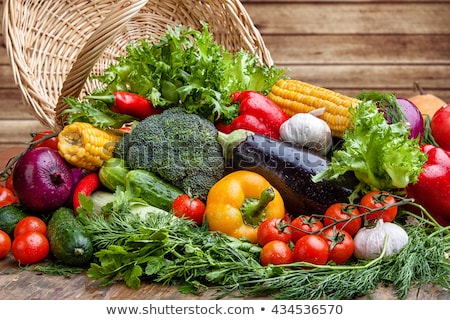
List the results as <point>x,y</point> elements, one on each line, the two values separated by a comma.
<point>42,180</point>
<point>77,174</point>
<point>413,116</point>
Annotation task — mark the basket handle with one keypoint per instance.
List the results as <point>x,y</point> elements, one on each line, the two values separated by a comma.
<point>117,18</point>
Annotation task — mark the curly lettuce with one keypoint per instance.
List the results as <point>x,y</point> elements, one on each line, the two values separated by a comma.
<point>380,154</point>
<point>187,68</point>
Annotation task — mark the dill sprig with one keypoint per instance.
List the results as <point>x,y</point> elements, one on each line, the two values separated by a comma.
<point>423,260</point>
<point>56,268</point>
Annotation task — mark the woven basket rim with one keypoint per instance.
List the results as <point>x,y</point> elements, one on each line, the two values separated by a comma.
<point>48,68</point>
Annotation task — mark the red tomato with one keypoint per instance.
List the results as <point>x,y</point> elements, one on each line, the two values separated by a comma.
<point>9,183</point>
<point>5,244</point>
<point>440,127</point>
<point>189,208</point>
<point>311,248</point>
<point>273,229</point>
<point>30,247</point>
<point>341,245</point>
<point>303,225</point>
<point>376,200</point>
<point>276,252</point>
<point>51,142</point>
<point>344,216</point>
<point>28,224</point>
<point>6,196</point>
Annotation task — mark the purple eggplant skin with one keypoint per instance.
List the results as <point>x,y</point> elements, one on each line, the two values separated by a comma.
<point>289,169</point>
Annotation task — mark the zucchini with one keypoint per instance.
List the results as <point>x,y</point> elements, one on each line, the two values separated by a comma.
<point>289,169</point>
<point>112,173</point>
<point>68,240</point>
<point>151,188</point>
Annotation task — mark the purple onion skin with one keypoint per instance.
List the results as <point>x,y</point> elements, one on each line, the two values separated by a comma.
<point>42,180</point>
<point>414,117</point>
<point>77,175</point>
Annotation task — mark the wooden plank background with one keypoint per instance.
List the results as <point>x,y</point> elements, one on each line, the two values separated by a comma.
<point>347,46</point>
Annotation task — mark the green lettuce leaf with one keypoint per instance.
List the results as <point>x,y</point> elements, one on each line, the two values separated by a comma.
<point>380,154</point>
<point>95,112</point>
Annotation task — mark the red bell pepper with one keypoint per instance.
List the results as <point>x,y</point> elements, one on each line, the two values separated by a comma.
<point>432,190</point>
<point>257,113</point>
<point>129,103</point>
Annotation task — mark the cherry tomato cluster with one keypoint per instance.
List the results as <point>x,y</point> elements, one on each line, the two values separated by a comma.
<point>29,244</point>
<point>319,240</point>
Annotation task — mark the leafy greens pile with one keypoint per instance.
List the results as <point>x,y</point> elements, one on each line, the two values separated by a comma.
<point>164,249</point>
<point>184,68</point>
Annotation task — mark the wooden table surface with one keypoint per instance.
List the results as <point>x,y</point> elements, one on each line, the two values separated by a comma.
<point>20,284</point>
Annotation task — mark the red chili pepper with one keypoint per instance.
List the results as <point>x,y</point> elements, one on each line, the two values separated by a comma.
<point>129,103</point>
<point>88,184</point>
<point>432,188</point>
<point>258,113</point>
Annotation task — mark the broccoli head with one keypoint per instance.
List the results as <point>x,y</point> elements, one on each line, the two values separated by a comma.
<point>180,147</point>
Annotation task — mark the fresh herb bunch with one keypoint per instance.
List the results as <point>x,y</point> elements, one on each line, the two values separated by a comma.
<point>187,68</point>
<point>165,249</point>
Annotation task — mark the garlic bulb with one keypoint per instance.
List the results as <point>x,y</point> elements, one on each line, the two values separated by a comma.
<point>307,131</point>
<point>369,242</point>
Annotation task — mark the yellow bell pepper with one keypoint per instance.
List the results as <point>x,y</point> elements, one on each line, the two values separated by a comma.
<point>238,203</point>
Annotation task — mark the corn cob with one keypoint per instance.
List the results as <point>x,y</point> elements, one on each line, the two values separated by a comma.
<point>85,146</point>
<point>294,96</point>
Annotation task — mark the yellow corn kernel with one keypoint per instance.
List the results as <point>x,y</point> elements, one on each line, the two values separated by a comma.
<point>85,146</point>
<point>294,96</point>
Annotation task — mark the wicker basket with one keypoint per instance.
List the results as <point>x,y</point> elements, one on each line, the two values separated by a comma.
<point>54,45</point>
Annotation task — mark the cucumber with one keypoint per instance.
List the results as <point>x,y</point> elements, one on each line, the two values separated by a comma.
<point>10,215</point>
<point>112,173</point>
<point>68,240</point>
<point>151,188</point>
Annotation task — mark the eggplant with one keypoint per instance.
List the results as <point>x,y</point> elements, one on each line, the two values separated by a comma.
<point>289,169</point>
